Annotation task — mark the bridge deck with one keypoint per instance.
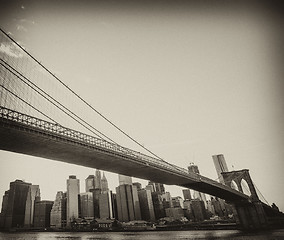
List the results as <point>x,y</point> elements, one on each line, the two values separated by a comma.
<point>27,135</point>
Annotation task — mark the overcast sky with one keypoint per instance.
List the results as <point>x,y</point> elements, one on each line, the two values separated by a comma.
<point>188,81</point>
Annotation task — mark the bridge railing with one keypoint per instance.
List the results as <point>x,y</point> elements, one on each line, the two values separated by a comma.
<point>30,121</point>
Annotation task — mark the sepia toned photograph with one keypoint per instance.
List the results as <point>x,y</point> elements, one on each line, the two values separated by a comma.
<point>141,120</point>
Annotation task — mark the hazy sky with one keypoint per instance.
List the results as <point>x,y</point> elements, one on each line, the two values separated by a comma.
<point>188,81</point>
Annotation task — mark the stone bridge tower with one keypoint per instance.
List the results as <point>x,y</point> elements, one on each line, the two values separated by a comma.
<point>250,215</point>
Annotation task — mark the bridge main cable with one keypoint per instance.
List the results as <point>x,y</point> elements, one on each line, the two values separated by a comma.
<point>80,98</point>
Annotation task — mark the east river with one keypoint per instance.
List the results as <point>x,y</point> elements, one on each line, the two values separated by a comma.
<point>150,235</point>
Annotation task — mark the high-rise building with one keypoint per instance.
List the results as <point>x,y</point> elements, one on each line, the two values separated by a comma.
<point>42,214</point>
<point>58,211</point>
<point>33,196</point>
<point>104,184</point>
<point>146,204</point>
<point>98,183</point>
<point>4,209</point>
<point>73,190</point>
<point>156,187</point>
<point>160,188</point>
<point>113,205</point>
<point>138,185</point>
<point>124,180</point>
<point>196,194</point>
<point>150,187</point>
<point>96,200</point>
<point>186,194</point>
<point>104,206</point>
<point>126,199</point>
<point>198,210</point>
<point>15,213</point>
<point>136,203</point>
<point>188,210</point>
<point>177,202</point>
<point>86,205</point>
<point>220,165</point>
<point>158,205</point>
<point>90,183</point>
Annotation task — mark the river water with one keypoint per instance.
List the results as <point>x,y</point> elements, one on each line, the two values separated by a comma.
<point>159,235</point>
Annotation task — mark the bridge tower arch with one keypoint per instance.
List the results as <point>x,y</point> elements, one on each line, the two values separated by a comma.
<point>239,177</point>
<point>249,215</point>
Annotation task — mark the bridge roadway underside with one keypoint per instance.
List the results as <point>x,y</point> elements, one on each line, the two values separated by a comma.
<point>17,138</point>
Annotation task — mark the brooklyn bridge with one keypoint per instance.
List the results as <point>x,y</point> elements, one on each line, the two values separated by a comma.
<point>37,122</point>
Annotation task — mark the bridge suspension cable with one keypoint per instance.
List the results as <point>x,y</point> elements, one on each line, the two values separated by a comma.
<point>81,99</point>
<point>54,102</point>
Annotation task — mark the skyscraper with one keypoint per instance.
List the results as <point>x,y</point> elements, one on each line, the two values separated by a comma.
<point>86,205</point>
<point>156,187</point>
<point>158,205</point>
<point>73,189</point>
<point>104,184</point>
<point>196,194</point>
<point>33,196</point>
<point>98,184</point>
<point>4,209</point>
<point>124,180</point>
<point>15,213</point>
<point>90,183</point>
<point>42,214</point>
<point>186,194</point>
<point>104,203</point>
<point>220,165</point>
<point>127,204</point>
<point>146,204</point>
<point>58,211</point>
<point>160,188</point>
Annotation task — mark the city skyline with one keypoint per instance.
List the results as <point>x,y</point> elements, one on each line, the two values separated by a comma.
<point>186,82</point>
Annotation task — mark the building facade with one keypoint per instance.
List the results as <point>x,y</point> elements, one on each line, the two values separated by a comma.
<point>33,196</point>
<point>42,214</point>
<point>58,211</point>
<point>220,165</point>
<point>72,207</point>
<point>17,197</point>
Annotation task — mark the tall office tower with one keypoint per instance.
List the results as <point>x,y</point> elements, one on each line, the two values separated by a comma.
<point>150,187</point>
<point>104,184</point>
<point>160,188</point>
<point>138,185</point>
<point>96,200</point>
<point>15,214</point>
<point>167,200</point>
<point>42,214</point>
<point>86,205</point>
<point>146,204</point>
<point>90,183</point>
<point>177,202</point>
<point>198,210</point>
<point>157,187</point>
<point>196,194</point>
<point>186,194</point>
<point>127,208</point>
<point>72,208</point>
<point>4,209</point>
<point>220,165</point>
<point>113,205</point>
<point>58,211</point>
<point>105,210</point>
<point>124,180</point>
<point>136,203</point>
<point>98,183</point>
<point>188,210</point>
<point>33,196</point>
<point>158,205</point>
